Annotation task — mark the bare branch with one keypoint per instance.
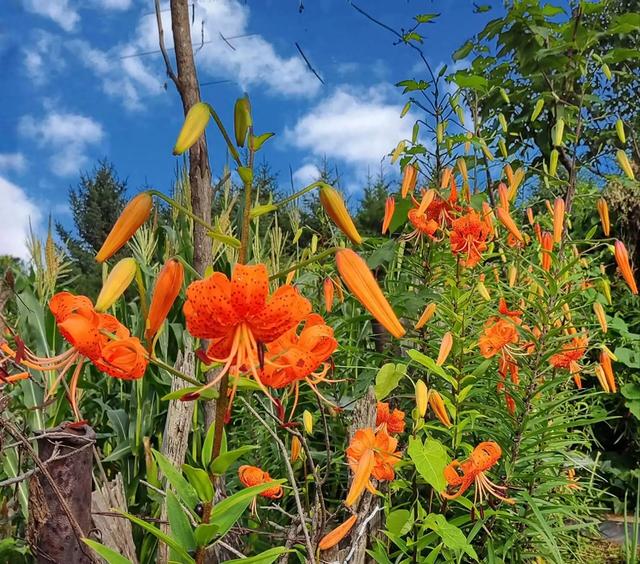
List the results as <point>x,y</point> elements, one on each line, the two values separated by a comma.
<point>308,63</point>
<point>163,49</point>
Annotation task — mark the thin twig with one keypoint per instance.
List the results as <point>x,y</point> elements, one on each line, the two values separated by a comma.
<point>163,49</point>
<point>308,63</point>
<point>292,479</point>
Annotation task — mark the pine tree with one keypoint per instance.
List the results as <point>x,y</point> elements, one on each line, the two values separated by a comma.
<point>95,204</point>
<point>371,208</point>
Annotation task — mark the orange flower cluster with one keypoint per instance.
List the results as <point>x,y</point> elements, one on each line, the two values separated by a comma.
<point>370,454</point>
<point>570,354</point>
<point>390,420</point>
<point>460,475</point>
<point>469,236</point>
<point>254,476</point>
<point>432,213</point>
<point>97,337</point>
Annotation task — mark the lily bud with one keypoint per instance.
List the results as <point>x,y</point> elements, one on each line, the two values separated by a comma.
<point>503,196</point>
<point>409,180</point>
<point>603,212</point>
<point>482,290</point>
<point>135,213</point>
<point>334,537</point>
<point>514,184</point>
<point>117,282</point>
<point>507,221</point>
<point>553,162</point>
<point>513,275</point>
<point>446,177</point>
<point>295,449</point>
<point>625,165</point>
<point>462,167</point>
<point>530,216</point>
<point>422,398</point>
<point>445,348</point>
<point>307,422</point>
<point>168,286</point>
<point>333,204</point>
<point>606,71</point>
<point>547,248</point>
<point>360,280</point>
<point>606,290</point>
<point>622,258</point>
<point>328,289</point>
<point>487,215</point>
<point>602,378</point>
<point>467,143</point>
<point>289,279</point>
<point>242,120</point>
<point>600,316</point>
<point>558,220</point>
<point>427,314</point>
<point>193,127</point>
<point>558,132</point>
<point>389,208</point>
<point>537,109</point>
<point>620,131</point>
<point>437,404</point>
<point>607,368</point>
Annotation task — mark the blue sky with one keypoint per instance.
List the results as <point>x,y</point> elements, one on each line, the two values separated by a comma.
<point>78,86</point>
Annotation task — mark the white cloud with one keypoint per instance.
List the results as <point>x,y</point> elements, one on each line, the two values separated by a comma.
<point>357,128</point>
<point>114,4</point>
<point>60,11</point>
<point>15,213</point>
<point>43,56</point>
<point>305,175</point>
<point>12,161</point>
<point>69,137</point>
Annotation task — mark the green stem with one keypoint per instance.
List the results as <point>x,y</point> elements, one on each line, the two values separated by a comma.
<point>303,263</point>
<point>227,139</point>
<point>299,193</point>
<point>173,371</point>
<point>184,210</point>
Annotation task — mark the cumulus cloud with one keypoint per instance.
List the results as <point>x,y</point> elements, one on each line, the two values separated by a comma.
<point>114,4</point>
<point>306,174</point>
<point>12,161</point>
<point>43,56</point>
<point>69,137</point>
<point>15,213</point>
<point>357,128</point>
<point>60,11</point>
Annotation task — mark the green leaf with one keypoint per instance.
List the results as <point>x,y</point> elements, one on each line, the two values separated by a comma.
<point>205,533</point>
<point>631,391</point>
<point>185,491</point>
<point>481,8</point>
<point>170,542</point>
<point>223,461</point>
<point>388,378</point>
<point>258,140</point>
<point>430,460</point>
<point>266,557</point>
<point>400,214</point>
<point>399,522</point>
<point>472,81</point>
<point>207,446</point>
<point>179,522</point>
<point>463,51</point>
<point>208,394</point>
<point>111,556</point>
<point>425,18</point>
<point>228,511</point>
<point>200,481</point>
<point>451,536</point>
<point>431,365</point>
<point>628,357</point>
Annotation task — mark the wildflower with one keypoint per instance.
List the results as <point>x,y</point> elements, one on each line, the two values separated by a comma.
<point>409,179</point>
<point>360,280</point>
<point>603,212</point>
<point>558,220</point>
<point>497,337</point>
<point>334,537</point>
<point>460,475</point>
<point>253,476</point>
<point>295,357</point>
<point>136,212</point>
<point>507,221</point>
<point>570,354</point>
<point>547,248</point>
<point>422,398</point>
<point>622,259</point>
<point>238,316</point>
<point>437,404</point>
<point>469,236</point>
<point>389,208</point>
<point>90,335</point>
<point>336,209</point>
<point>117,282</point>
<point>391,420</point>
<point>370,454</point>
<point>194,125</point>
<point>427,314</point>
<point>445,348</point>
<point>327,287</point>
<point>421,221</point>
<point>167,288</point>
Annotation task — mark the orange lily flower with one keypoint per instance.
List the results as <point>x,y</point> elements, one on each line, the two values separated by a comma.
<point>360,280</point>
<point>603,212</point>
<point>460,475</point>
<point>622,258</point>
<point>370,454</point>
<point>497,337</point>
<point>409,180</point>
<point>292,358</point>
<point>506,220</point>
<point>570,354</point>
<point>391,420</point>
<point>253,476</point>
<point>419,217</point>
<point>334,537</point>
<point>389,208</point>
<point>168,286</point>
<point>238,316</point>
<point>558,220</point>
<point>469,236</point>
<point>547,249</point>
<point>89,334</point>
<point>136,212</point>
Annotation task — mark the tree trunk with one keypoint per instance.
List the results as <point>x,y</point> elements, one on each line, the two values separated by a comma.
<point>65,482</point>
